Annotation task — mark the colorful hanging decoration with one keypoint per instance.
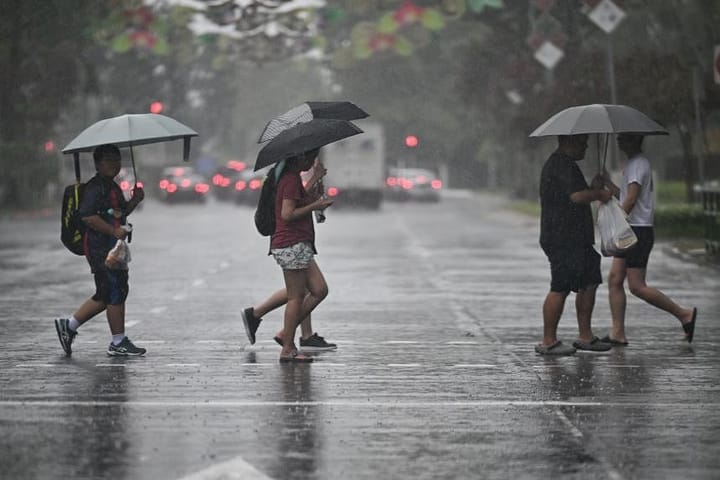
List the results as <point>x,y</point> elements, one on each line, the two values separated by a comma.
<point>136,29</point>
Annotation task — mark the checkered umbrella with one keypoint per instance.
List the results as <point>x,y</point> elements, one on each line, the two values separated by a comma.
<point>304,137</point>
<point>309,111</point>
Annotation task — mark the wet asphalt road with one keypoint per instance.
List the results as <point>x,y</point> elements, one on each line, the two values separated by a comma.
<point>435,308</point>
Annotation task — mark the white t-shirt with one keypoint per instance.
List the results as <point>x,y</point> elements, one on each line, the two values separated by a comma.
<point>638,171</point>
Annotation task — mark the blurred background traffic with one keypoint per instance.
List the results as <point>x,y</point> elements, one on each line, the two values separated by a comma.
<point>453,88</point>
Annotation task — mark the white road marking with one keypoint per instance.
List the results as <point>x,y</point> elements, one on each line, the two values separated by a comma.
<point>474,365</point>
<point>350,404</point>
<point>234,469</point>
<point>462,343</point>
<point>182,364</point>
<point>157,310</point>
<point>38,365</point>
<point>198,282</point>
<point>402,365</point>
<point>400,342</point>
<point>122,365</point>
<point>131,323</point>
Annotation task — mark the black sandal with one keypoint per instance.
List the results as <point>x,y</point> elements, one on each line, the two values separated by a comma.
<point>689,328</point>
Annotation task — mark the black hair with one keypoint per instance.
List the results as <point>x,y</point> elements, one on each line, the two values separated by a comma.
<point>102,151</point>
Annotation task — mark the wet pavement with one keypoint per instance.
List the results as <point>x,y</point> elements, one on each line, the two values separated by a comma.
<point>435,308</point>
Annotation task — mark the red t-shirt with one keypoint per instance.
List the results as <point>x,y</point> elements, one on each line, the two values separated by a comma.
<point>290,187</point>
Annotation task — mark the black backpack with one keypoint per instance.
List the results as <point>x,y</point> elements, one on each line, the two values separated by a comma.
<point>265,212</point>
<point>72,228</point>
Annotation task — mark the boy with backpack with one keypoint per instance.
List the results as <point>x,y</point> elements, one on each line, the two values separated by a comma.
<point>103,211</point>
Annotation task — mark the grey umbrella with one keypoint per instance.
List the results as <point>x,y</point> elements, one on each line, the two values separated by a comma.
<point>307,111</point>
<point>598,118</point>
<point>128,131</point>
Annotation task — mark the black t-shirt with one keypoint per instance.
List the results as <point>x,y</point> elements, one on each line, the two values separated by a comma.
<point>563,223</point>
<point>101,197</point>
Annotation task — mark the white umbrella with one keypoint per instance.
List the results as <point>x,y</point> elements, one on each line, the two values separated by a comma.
<point>598,118</point>
<point>130,130</point>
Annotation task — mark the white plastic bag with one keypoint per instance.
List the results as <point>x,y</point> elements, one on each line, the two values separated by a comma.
<point>616,235</point>
<point>119,257</point>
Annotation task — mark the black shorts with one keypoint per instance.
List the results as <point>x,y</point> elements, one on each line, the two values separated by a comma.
<point>573,269</point>
<point>111,286</point>
<point>638,255</point>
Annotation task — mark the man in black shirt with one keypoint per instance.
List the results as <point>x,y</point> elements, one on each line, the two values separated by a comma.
<point>567,238</point>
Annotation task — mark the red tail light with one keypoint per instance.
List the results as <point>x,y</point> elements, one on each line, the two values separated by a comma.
<point>255,184</point>
<point>163,184</point>
<point>332,192</point>
<point>140,185</point>
<point>171,188</point>
<point>240,185</point>
<point>185,182</point>
<point>125,185</point>
<point>436,184</point>
<point>202,188</point>
<point>391,181</point>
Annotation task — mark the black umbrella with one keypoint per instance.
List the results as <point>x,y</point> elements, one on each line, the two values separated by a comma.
<point>304,137</point>
<point>309,111</point>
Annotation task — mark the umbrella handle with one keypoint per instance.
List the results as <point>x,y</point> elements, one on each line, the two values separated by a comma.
<point>132,160</point>
<point>76,160</point>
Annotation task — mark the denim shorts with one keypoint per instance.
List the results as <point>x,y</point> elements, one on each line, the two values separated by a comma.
<point>294,257</point>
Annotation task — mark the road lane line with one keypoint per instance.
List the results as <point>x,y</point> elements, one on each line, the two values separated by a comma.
<point>474,365</point>
<point>349,404</point>
<point>234,469</point>
<point>402,365</point>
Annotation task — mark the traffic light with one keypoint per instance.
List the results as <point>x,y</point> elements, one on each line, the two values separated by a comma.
<point>411,141</point>
<point>156,107</point>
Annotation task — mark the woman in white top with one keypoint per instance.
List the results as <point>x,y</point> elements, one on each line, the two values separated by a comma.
<point>637,198</point>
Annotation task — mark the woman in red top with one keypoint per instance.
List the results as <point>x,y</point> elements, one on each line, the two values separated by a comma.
<point>293,247</point>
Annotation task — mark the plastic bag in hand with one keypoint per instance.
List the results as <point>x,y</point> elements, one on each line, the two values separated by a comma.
<point>119,257</point>
<point>616,234</point>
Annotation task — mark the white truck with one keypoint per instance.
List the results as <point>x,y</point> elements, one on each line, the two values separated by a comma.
<point>356,167</point>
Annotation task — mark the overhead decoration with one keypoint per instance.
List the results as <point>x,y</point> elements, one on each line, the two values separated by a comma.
<point>135,29</point>
<point>258,30</point>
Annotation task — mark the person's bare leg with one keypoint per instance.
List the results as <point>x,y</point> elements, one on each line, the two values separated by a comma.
<point>88,310</point>
<point>116,318</point>
<point>317,291</point>
<point>618,299</point>
<point>653,296</point>
<point>296,286</point>
<point>277,300</point>
<point>552,311</point>
<point>584,305</point>
<point>274,301</point>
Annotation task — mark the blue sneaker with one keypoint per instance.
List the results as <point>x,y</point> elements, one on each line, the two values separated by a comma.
<point>125,349</point>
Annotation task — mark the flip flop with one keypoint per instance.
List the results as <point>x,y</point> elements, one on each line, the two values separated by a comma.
<point>689,328</point>
<point>613,342</point>
<point>295,357</point>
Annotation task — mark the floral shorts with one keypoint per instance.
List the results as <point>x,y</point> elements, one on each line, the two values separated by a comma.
<point>294,257</point>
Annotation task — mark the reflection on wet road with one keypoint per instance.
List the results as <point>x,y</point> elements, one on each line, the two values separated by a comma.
<point>435,309</point>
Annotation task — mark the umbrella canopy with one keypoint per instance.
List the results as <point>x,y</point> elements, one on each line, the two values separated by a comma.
<point>599,118</point>
<point>309,111</point>
<point>127,131</point>
<point>304,137</point>
<point>130,130</point>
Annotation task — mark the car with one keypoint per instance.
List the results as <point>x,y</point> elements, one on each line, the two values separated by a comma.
<point>421,184</point>
<point>182,184</point>
<point>126,180</point>
<point>225,178</point>
<point>248,186</point>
